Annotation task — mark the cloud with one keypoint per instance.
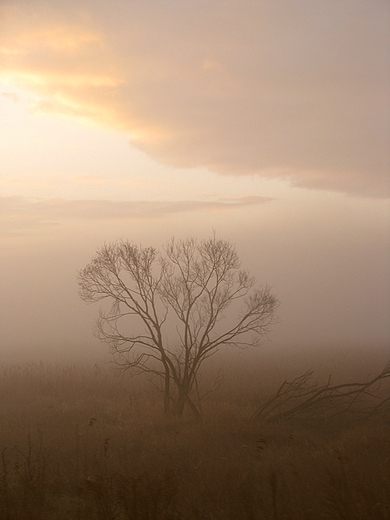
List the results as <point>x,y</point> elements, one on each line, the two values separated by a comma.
<point>280,89</point>
<point>94,180</point>
<point>10,95</point>
<point>21,216</point>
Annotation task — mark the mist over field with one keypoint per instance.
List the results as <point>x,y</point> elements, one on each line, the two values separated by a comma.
<point>334,294</point>
<point>266,124</point>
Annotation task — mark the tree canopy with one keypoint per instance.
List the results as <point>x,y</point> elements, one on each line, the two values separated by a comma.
<point>168,309</point>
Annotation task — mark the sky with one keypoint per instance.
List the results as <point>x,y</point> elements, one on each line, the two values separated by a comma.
<point>265,122</point>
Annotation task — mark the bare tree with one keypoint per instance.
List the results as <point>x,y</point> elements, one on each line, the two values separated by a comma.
<point>168,309</point>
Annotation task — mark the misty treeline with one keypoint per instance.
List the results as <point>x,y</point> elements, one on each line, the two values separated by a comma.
<point>171,310</point>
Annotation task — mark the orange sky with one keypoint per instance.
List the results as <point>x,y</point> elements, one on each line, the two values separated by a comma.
<point>268,122</point>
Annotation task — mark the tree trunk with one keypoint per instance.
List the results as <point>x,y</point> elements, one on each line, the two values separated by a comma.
<point>182,399</point>
<point>180,403</point>
<point>195,411</point>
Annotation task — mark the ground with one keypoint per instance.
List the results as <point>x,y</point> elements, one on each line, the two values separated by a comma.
<point>83,443</point>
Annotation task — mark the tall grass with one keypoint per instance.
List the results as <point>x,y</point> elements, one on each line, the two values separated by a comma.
<point>81,443</point>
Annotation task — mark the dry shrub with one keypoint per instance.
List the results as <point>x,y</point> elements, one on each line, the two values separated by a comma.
<point>80,443</point>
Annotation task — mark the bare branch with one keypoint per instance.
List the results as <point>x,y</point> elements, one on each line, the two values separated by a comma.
<point>304,398</point>
<point>187,289</point>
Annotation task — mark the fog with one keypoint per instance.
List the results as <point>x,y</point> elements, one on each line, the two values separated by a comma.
<point>266,123</point>
<point>330,274</point>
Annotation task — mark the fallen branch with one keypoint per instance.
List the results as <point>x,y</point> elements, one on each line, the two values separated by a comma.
<point>305,398</point>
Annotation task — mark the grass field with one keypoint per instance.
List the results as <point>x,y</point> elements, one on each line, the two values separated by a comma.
<point>83,443</point>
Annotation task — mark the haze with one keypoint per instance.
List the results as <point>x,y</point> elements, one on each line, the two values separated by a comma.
<point>266,122</point>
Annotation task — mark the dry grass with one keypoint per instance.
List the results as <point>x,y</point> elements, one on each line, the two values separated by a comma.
<point>79,443</point>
